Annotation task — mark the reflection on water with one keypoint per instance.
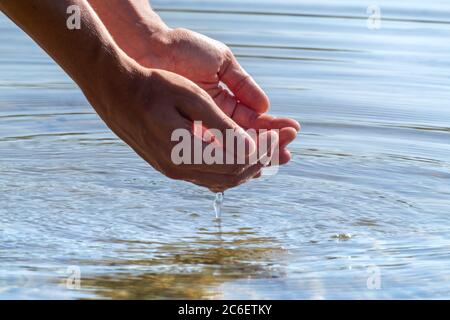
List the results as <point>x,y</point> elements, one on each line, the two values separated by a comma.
<point>188,270</point>
<point>368,189</point>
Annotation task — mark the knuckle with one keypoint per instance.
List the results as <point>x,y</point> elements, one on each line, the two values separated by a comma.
<point>228,53</point>
<point>180,30</point>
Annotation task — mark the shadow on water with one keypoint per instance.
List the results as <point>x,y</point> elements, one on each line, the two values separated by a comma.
<point>192,269</point>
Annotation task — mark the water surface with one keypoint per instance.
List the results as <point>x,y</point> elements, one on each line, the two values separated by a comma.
<point>362,211</point>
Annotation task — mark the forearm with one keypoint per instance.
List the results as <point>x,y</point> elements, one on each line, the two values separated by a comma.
<point>88,55</point>
<point>131,21</point>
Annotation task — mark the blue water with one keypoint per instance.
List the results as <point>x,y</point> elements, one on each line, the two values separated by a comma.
<point>362,211</point>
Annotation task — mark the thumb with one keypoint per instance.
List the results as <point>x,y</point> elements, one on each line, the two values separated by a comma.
<point>242,85</point>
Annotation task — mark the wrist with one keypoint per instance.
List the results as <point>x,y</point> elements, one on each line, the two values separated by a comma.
<point>113,74</point>
<point>135,27</point>
<point>148,42</point>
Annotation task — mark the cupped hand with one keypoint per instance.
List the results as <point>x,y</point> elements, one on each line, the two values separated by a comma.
<point>156,103</point>
<point>210,63</point>
<point>144,36</point>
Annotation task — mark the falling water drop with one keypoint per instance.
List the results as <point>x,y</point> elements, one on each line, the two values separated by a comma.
<point>218,204</point>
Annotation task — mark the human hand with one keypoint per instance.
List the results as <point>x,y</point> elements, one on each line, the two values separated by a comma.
<point>207,62</point>
<point>155,103</point>
<point>142,106</point>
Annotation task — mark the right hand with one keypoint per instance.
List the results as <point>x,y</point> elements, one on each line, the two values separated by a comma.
<point>207,63</point>
<point>153,105</point>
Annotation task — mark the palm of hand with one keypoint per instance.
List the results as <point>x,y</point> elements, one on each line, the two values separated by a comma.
<point>201,60</point>
<point>209,64</point>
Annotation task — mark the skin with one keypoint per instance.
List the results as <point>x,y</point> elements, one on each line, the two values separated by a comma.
<point>142,105</point>
<point>142,34</point>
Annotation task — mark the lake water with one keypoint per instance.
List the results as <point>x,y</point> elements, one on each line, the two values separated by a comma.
<point>362,211</point>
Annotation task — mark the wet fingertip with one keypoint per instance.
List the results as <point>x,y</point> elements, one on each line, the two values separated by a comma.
<point>285,156</point>
<point>287,135</point>
<point>282,122</point>
<point>294,124</point>
<point>290,130</point>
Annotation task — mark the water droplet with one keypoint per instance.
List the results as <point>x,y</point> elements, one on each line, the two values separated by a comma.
<point>342,236</point>
<point>218,202</point>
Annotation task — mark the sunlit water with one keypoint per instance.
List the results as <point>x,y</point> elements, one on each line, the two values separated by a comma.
<point>363,210</point>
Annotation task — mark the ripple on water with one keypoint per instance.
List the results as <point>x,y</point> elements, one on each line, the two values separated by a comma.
<point>367,190</point>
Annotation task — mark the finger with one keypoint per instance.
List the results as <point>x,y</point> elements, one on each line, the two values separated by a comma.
<point>242,85</point>
<point>207,155</point>
<point>224,100</point>
<point>268,147</point>
<point>270,122</point>
<point>248,118</point>
<point>197,148</point>
<point>219,182</point>
<point>203,109</point>
<point>245,116</point>
<point>285,156</point>
<point>287,135</point>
